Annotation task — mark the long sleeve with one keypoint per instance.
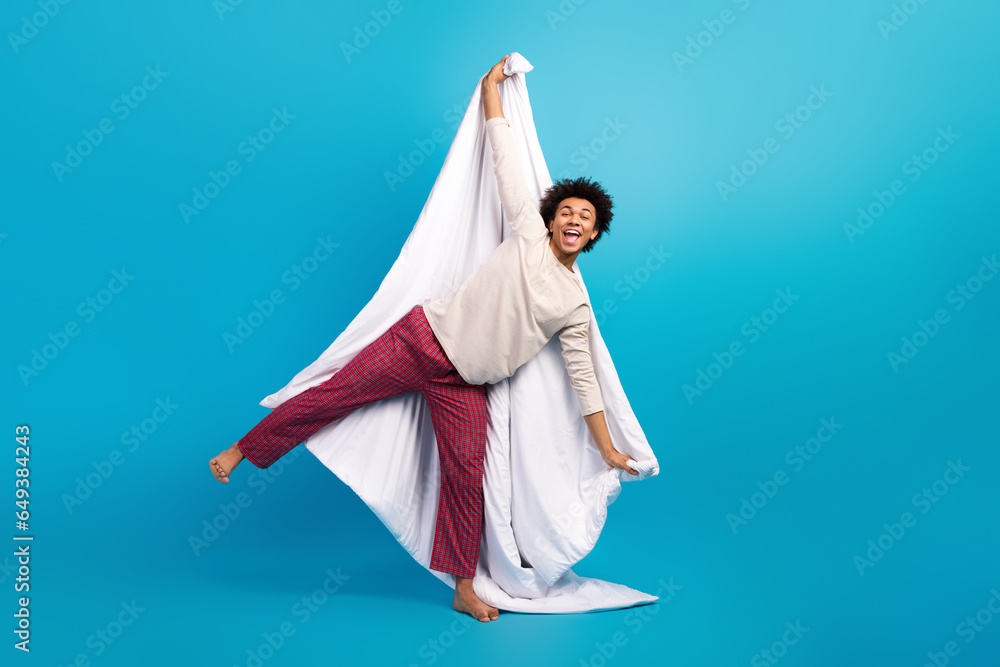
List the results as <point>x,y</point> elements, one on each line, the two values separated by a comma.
<point>520,207</point>
<point>513,303</point>
<point>579,364</point>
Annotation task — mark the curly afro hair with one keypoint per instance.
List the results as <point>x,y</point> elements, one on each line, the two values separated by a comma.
<point>583,188</point>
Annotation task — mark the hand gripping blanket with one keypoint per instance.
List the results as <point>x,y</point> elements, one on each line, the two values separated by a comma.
<point>546,487</point>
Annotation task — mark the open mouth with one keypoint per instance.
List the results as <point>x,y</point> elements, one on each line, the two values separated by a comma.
<point>571,235</point>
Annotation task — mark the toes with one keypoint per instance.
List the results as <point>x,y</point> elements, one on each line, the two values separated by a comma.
<point>218,471</point>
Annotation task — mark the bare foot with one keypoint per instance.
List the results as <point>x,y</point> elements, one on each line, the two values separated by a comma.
<point>467,602</point>
<point>224,463</point>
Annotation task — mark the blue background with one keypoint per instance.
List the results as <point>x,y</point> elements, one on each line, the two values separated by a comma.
<point>683,126</point>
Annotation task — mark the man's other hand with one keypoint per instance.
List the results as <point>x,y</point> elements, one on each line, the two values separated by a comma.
<point>616,459</point>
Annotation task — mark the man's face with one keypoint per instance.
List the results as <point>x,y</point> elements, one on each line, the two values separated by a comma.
<point>574,225</point>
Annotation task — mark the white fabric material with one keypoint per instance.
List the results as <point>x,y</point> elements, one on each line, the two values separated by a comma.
<point>546,488</point>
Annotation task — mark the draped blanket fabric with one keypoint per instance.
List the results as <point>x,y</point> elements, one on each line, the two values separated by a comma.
<point>546,488</point>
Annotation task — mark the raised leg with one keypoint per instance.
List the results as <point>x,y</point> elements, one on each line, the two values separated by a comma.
<point>383,369</point>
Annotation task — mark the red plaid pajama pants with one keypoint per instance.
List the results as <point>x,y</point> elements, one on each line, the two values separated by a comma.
<point>407,357</point>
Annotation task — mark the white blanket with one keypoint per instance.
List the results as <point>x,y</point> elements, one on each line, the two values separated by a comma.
<point>547,490</point>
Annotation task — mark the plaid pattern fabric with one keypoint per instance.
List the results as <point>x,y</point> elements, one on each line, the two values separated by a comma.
<point>407,357</point>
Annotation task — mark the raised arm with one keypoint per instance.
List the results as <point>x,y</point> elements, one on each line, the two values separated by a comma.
<point>491,97</point>
<point>519,205</point>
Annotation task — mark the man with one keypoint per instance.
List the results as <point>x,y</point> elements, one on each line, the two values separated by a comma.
<point>503,313</point>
